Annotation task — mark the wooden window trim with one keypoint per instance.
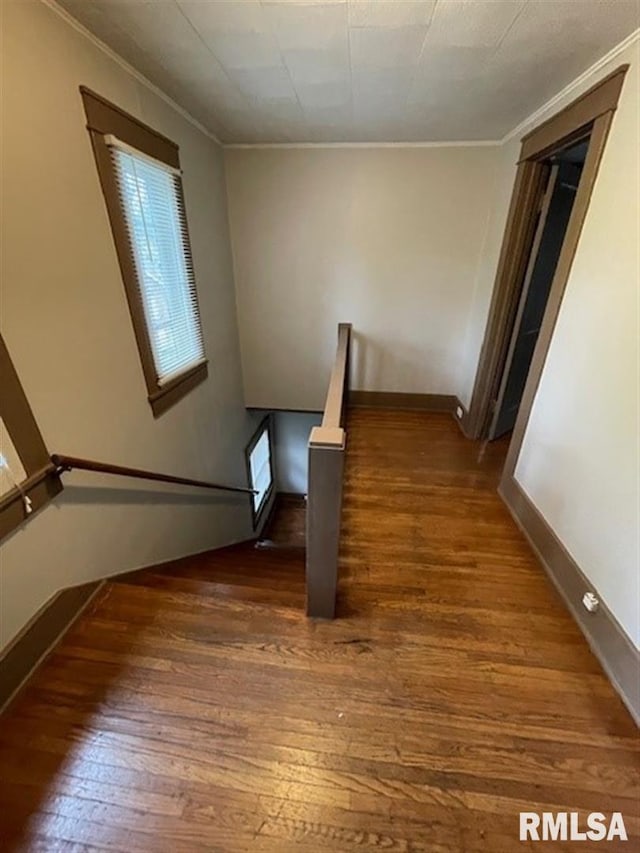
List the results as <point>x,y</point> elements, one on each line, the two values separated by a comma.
<point>105,118</point>
<point>42,482</point>
<point>265,424</point>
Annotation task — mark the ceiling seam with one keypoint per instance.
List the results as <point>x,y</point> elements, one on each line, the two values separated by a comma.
<point>212,54</point>
<point>424,41</point>
<point>510,27</point>
<point>352,103</point>
<point>284,61</point>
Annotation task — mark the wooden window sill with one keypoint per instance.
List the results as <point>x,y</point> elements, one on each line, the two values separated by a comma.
<point>167,396</point>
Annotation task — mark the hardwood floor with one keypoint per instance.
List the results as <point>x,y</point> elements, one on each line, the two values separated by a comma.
<point>196,708</point>
<point>286,528</point>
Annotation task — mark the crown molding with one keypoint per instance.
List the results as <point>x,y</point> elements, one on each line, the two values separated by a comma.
<point>516,131</point>
<point>76,25</point>
<point>480,143</point>
<point>571,87</point>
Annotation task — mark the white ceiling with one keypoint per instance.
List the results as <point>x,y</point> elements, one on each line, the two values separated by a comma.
<point>258,71</point>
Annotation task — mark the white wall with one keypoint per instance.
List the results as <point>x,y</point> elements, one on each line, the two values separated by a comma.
<point>580,462</point>
<point>390,239</point>
<point>68,329</point>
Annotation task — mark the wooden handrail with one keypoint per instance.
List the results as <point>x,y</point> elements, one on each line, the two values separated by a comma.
<point>333,408</point>
<point>331,433</point>
<point>67,463</point>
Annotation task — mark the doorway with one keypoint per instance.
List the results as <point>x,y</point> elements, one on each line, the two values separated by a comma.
<point>563,172</point>
<point>529,286</point>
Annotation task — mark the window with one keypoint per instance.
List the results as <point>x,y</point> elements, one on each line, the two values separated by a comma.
<point>28,478</point>
<point>260,469</point>
<point>140,175</point>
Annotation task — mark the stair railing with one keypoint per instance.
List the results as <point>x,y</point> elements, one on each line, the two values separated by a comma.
<point>69,463</point>
<point>327,445</point>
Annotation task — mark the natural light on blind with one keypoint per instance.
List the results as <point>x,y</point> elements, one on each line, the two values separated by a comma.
<point>154,214</point>
<point>260,463</point>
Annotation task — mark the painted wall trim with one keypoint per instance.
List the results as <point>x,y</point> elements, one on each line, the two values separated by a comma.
<point>292,496</point>
<point>619,658</point>
<point>76,25</point>
<point>40,635</point>
<point>399,400</point>
<point>570,87</point>
<point>258,409</point>
<point>451,143</point>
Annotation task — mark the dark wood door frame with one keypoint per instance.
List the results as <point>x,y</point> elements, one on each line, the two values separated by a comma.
<point>538,230</point>
<point>590,115</point>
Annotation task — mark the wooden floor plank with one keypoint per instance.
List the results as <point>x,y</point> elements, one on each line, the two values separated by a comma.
<point>194,707</point>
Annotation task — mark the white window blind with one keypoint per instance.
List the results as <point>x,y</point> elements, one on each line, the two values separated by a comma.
<point>151,198</point>
<point>260,465</point>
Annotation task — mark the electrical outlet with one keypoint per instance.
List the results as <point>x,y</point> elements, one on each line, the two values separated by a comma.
<point>590,602</point>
